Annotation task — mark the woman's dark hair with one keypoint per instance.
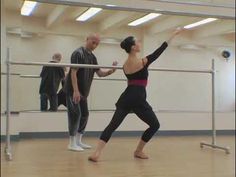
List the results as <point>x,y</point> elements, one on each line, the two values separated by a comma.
<point>127,43</point>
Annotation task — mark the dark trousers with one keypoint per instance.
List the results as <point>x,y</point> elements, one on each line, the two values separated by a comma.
<point>144,112</point>
<point>61,98</point>
<point>77,115</point>
<point>53,101</point>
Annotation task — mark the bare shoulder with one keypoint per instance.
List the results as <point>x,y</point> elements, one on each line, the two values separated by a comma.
<point>144,61</point>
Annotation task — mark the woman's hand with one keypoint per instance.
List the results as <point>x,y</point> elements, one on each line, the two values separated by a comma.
<point>178,31</point>
<point>175,33</point>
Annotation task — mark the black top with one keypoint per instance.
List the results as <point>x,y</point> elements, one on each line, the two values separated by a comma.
<point>51,78</point>
<point>135,95</point>
<point>143,73</point>
<point>84,75</point>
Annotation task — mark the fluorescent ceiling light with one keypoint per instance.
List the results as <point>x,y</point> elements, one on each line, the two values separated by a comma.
<point>144,19</point>
<point>88,14</point>
<point>110,5</point>
<point>202,22</point>
<point>28,7</point>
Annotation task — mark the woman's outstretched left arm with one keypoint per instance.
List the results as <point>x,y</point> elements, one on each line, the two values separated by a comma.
<point>152,57</point>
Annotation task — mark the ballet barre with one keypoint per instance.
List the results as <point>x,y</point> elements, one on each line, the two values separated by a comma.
<point>101,66</point>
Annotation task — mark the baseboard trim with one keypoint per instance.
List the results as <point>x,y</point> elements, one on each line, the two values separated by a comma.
<point>12,137</point>
<point>33,135</point>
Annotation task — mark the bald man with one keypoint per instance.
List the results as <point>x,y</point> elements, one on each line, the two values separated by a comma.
<point>50,81</point>
<point>77,87</point>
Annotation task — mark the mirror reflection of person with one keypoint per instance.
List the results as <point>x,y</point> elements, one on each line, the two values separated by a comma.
<point>61,95</point>
<point>51,78</point>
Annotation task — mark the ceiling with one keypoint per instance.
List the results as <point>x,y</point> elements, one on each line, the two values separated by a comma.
<point>226,3</point>
<point>106,20</point>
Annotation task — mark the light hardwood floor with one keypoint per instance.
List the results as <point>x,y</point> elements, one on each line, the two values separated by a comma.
<point>169,157</point>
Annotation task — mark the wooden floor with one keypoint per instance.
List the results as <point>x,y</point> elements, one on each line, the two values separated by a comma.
<point>169,157</point>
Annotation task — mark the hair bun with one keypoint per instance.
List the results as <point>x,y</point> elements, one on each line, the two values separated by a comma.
<point>127,43</point>
<point>123,44</point>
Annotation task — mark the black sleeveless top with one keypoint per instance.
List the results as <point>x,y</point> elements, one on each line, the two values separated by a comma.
<point>142,74</point>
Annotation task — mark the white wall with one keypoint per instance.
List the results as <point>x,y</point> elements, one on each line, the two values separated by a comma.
<point>191,91</point>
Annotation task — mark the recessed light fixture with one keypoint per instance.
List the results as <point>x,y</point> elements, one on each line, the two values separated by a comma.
<point>202,22</point>
<point>144,19</point>
<point>28,7</point>
<point>88,14</point>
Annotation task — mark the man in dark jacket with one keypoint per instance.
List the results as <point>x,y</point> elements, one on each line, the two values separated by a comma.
<point>50,81</point>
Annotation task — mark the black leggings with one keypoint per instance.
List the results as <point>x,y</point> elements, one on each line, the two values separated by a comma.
<point>144,112</point>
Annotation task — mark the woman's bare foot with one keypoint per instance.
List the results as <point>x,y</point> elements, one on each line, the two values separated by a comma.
<point>140,155</point>
<point>93,158</point>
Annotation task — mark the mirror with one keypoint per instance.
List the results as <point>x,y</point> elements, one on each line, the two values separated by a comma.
<point>53,28</point>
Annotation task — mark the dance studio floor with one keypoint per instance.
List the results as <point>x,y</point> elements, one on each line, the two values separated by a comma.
<point>169,157</point>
